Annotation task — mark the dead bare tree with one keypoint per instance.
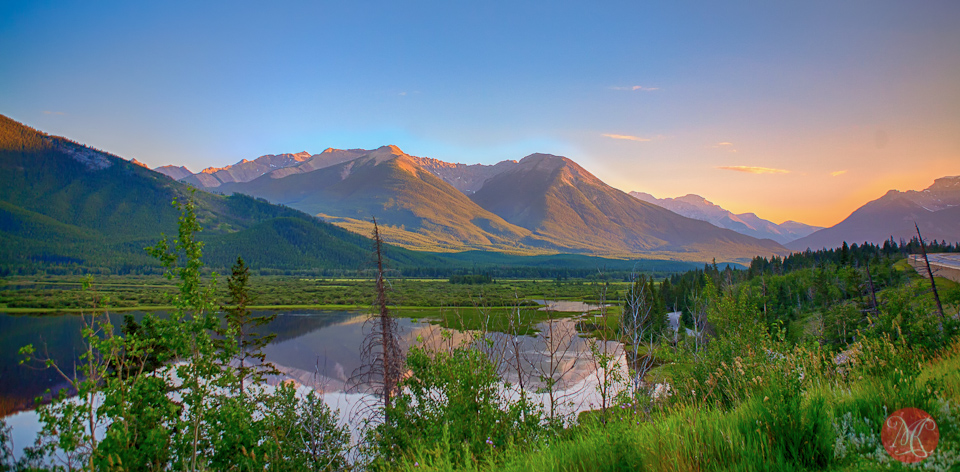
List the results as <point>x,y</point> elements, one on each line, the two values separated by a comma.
<point>380,353</point>
<point>637,328</point>
<point>605,354</point>
<point>562,351</point>
<point>482,339</point>
<point>697,304</point>
<point>933,283</point>
<point>514,348</point>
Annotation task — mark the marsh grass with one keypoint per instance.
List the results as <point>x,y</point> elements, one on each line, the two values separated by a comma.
<point>63,294</point>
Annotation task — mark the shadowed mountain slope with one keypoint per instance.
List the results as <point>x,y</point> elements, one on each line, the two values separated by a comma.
<point>562,203</point>
<point>62,203</point>
<point>936,210</point>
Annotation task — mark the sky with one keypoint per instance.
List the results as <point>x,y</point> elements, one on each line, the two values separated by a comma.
<point>792,110</point>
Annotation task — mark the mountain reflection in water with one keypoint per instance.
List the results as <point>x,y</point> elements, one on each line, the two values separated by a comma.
<point>315,348</point>
<point>305,339</point>
<point>320,349</point>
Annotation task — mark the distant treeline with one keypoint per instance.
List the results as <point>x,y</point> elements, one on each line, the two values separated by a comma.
<point>270,259</point>
<point>471,279</point>
<point>454,273</point>
<point>788,286</point>
<point>495,265</point>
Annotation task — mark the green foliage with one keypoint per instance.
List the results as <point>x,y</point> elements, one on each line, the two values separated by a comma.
<point>807,413</point>
<point>151,292</point>
<point>453,409</point>
<point>305,433</point>
<point>908,312</point>
<point>760,397</point>
<point>285,431</point>
<point>164,396</point>
<point>241,327</point>
<point>7,462</point>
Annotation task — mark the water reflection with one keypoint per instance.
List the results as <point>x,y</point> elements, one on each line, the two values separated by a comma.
<point>316,348</point>
<point>57,337</point>
<point>326,351</point>
<point>321,349</point>
<point>305,339</point>
<point>566,306</point>
<point>326,356</point>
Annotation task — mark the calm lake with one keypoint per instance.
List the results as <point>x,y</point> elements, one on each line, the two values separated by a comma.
<point>318,349</point>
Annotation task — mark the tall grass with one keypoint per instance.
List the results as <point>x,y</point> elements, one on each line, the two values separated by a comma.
<point>829,421</point>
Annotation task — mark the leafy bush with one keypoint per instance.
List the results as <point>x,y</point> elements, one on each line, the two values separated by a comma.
<point>452,408</point>
<point>164,396</point>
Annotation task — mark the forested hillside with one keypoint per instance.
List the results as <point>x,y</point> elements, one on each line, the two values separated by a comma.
<point>65,207</point>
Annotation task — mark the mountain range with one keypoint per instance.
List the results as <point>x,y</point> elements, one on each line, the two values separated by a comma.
<point>935,210</point>
<point>415,208</point>
<point>467,179</point>
<point>697,207</point>
<point>64,202</point>
<point>542,203</point>
<point>522,210</point>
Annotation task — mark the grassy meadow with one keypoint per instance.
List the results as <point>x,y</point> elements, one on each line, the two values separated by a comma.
<point>64,293</point>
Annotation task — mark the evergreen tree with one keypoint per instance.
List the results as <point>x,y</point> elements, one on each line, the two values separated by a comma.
<point>241,324</point>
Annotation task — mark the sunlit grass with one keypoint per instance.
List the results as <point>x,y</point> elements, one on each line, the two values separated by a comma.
<point>832,425</point>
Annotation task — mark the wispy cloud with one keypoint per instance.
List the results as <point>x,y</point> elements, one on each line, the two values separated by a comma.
<point>46,112</point>
<point>627,137</point>
<point>838,172</point>
<point>754,170</point>
<point>635,88</point>
<point>725,145</point>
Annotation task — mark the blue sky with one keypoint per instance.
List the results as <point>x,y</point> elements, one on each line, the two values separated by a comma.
<point>800,110</point>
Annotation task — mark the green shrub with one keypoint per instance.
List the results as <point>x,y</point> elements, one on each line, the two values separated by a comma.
<point>453,409</point>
